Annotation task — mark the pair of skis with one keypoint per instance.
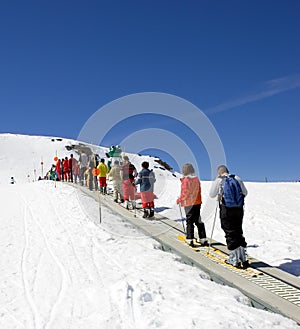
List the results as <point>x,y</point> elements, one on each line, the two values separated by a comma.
<point>219,257</point>
<point>195,246</point>
<point>136,209</point>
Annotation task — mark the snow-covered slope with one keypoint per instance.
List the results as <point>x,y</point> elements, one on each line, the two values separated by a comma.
<point>271,211</point>
<point>21,156</point>
<point>61,269</point>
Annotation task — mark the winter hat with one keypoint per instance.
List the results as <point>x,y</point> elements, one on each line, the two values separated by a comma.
<point>222,170</point>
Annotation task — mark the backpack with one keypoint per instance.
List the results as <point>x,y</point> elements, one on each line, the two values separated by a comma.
<point>232,195</point>
<point>131,171</point>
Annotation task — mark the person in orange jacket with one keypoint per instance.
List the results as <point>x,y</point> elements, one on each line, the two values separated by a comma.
<point>190,199</point>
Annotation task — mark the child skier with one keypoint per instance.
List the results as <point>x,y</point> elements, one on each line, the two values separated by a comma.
<point>146,180</point>
<point>103,170</point>
<point>128,173</point>
<point>190,199</point>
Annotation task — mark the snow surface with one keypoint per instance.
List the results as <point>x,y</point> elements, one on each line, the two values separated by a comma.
<point>61,269</point>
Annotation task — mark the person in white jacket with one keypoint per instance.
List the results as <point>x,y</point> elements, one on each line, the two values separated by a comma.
<point>115,175</point>
<point>231,216</point>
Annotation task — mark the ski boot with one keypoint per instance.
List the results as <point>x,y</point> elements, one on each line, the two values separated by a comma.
<point>146,213</point>
<point>192,243</point>
<point>151,212</point>
<point>238,258</point>
<point>202,242</point>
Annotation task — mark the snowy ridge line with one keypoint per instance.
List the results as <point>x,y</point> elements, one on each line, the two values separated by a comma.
<point>262,293</point>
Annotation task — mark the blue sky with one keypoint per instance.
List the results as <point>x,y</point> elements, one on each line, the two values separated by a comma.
<point>237,61</point>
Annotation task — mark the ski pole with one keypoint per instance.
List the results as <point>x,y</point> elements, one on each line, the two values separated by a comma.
<point>99,205</point>
<point>213,227</point>
<point>182,219</point>
<point>134,203</point>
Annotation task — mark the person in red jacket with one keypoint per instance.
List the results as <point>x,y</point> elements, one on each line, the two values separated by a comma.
<point>66,170</point>
<point>71,166</point>
<point>58,169</point>
<point>190,199</point>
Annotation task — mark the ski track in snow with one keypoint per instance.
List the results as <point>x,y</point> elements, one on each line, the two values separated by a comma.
<point>73,272</point>
<point>8,312</point>
<point>127,312</point>
<point>107,308</point>
<point>84,273</point>
<point>40,321</point>
<point>122,277</point>
<point>25,280</point>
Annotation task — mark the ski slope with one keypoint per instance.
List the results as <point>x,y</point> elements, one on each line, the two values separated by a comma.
<point>61,269</point>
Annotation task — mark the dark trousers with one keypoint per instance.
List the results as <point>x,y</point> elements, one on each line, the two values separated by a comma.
<point>71,174</point>
<point>193,218</point>
<point>231,223</point>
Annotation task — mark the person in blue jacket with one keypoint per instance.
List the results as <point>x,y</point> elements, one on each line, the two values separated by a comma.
<point>146,180</point>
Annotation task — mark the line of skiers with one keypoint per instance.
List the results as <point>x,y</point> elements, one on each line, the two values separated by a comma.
<point>93,172</point>
<point>229,189</point>
<point>65,169</point>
